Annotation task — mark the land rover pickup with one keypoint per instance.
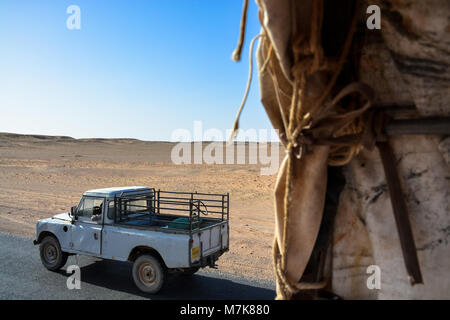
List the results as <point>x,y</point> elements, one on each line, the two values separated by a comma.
<point>160,232</point>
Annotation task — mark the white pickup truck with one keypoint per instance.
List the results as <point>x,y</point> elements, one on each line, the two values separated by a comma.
<point>158,231</point>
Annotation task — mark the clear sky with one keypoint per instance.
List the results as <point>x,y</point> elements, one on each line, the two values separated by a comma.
<point>136,69</point>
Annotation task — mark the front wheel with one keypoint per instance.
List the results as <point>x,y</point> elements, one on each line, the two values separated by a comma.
<point>148,274</point>
<point>52,257</point>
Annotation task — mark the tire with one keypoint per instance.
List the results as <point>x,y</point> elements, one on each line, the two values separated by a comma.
<point>190,271</point>
<point>149,274</point>
<point>52,257</point>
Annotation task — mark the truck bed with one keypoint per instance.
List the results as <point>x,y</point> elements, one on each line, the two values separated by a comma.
<point>168,222</point>
<point>197,220</point>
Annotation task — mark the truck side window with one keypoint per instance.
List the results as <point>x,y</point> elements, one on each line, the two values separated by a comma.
<point>90,206</point>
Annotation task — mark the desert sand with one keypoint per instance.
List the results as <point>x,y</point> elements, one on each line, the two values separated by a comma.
<point>44,175</point>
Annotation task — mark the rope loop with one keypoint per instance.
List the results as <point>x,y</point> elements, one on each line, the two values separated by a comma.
<point>319,125</point>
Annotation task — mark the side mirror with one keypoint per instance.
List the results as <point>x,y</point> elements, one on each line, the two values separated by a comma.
<point>73,212</point>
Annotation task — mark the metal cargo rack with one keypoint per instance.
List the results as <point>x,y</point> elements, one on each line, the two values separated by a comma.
<point>159,207</point>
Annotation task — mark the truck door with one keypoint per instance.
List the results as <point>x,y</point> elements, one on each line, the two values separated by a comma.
<point>86,231</point>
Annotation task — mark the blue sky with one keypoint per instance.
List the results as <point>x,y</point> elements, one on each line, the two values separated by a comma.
<point>137,69</point>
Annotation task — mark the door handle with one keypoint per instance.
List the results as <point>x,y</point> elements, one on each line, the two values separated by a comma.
<point>95,236</point>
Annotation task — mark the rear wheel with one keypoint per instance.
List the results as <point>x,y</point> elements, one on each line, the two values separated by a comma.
<point>148,273</point>
<point>52,257</point>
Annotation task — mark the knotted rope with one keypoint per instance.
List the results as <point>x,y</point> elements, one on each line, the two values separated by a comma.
<point>314,126</point>
<point>322,124</point>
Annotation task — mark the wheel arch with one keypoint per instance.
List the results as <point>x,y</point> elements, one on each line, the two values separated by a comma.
<point>44,234</point>
<point>139,250</point>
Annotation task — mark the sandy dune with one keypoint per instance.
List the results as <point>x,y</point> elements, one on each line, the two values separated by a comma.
<point>41,176</point>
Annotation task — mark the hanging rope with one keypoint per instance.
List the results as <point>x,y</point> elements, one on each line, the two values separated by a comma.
<point>322,124</point>
<point>345,131</point>
<point>238,51</point>
<point>305,128</point>
<point>235,128</point>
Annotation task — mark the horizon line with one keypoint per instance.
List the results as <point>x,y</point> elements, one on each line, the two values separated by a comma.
<point>43,136</point>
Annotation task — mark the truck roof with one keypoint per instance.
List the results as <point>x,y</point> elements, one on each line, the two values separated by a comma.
<point>116,191</point>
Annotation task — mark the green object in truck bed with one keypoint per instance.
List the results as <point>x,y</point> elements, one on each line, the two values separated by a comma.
<point>183,223</point>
